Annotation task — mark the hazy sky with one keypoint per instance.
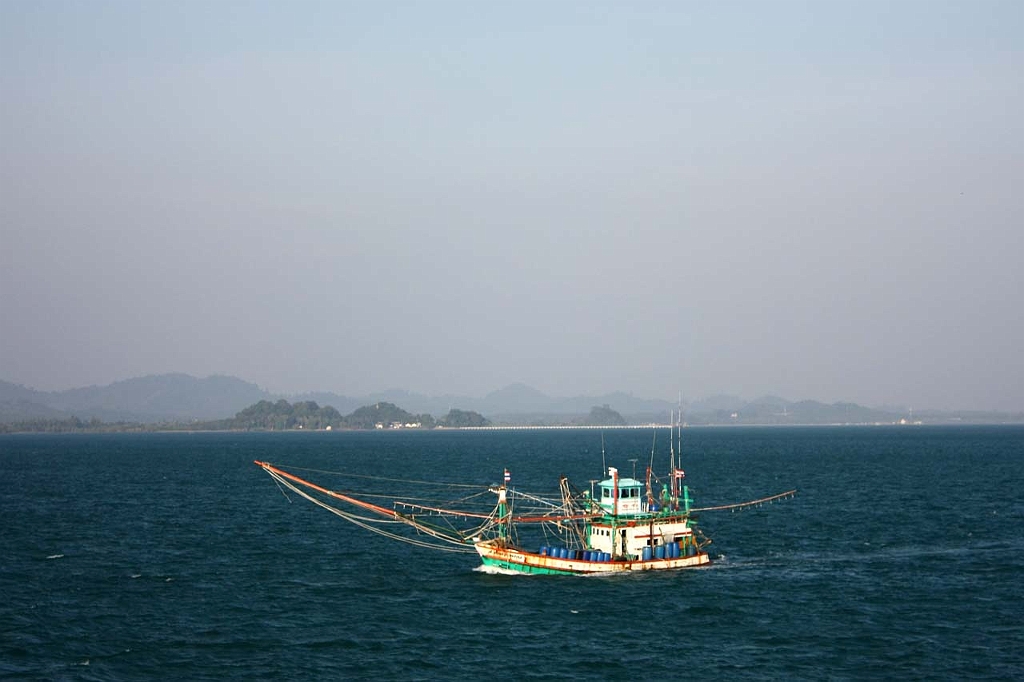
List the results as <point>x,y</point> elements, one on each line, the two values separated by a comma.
<point>810,199</point>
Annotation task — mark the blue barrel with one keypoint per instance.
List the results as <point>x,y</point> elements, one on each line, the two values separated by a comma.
<point>563,553</point>
<point>659,552</point>
<point>673,550</point>
<point>607,556</point>
<point>647,554</point>
<point>588,555</point>
<point>543,551</point>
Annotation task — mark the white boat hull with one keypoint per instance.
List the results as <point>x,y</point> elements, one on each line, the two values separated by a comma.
<point>493,554</point>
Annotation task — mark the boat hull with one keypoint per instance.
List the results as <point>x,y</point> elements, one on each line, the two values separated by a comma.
<point>511,559</point>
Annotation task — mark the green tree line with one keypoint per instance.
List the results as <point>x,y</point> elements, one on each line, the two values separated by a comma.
<point>268,415</point>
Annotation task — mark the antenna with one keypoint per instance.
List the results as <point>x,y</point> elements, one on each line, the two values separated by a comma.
<point>604,466</point>
<point>634,460</point>
<point>651,465</point>
<point>671,423</point>
<point>679,424</point>
<point>654,443</point>
<point>671,443</point>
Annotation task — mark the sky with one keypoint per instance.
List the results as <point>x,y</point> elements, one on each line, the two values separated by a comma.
<point>811,200</point>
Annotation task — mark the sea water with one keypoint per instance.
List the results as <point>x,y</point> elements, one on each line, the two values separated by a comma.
<point>172,556</point>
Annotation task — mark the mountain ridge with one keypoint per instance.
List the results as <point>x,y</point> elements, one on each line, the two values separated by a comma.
<point>182,398</point>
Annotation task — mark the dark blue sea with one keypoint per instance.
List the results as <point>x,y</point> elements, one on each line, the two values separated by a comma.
<point>172,556</point>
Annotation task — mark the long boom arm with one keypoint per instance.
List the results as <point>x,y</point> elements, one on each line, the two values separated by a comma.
<point>377,509</point>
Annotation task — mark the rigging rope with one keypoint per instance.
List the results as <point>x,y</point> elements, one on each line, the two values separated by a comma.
<point>788,493</point>
<point>358,521</point>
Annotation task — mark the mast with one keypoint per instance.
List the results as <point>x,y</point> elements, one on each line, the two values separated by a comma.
<point>615,508</point>
<point>679,426</point>
<point>672,458</point>
<point>678,474</point>
<point>504,513</point>
<point>615,490</point>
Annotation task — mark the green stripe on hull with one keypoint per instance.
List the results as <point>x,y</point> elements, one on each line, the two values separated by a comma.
<point>523,568</point>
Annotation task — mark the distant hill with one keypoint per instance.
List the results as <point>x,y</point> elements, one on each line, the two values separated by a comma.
<point>772,410</point>
<point>414,402</point>
<point>26,410</point>
<point>604,416</point>
<point>383,415</point>
<point>515,398</point>
<point>156,398</point>
<point>715,403</point>
<point>280,416</point>
<point>460,419</point>
<point>508,403</point>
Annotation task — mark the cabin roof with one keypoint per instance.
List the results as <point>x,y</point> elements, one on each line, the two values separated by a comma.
<point>623,483</point>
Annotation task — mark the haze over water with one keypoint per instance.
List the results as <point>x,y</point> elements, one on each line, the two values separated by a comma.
<point>817,201</point>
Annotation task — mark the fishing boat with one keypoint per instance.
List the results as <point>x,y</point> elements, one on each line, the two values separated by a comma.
<point>621,525</point>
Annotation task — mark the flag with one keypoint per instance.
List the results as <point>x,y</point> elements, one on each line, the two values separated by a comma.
<point>680,473</point>
<point>508,476</point>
